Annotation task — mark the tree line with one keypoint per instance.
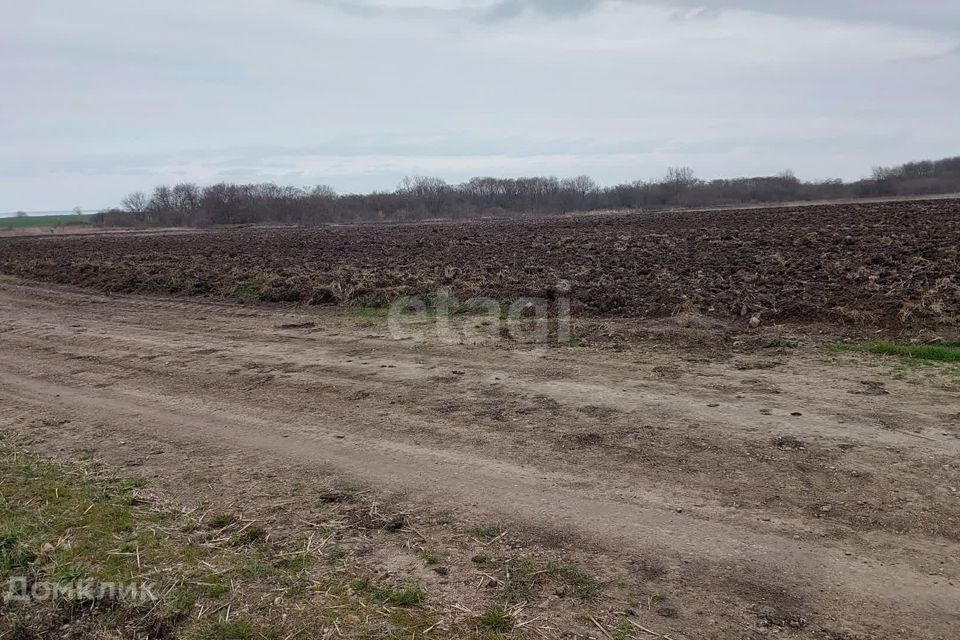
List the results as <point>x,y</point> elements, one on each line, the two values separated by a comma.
<point>419,198</point>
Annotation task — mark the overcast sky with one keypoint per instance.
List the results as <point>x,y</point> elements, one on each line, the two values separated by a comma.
<point>100,98</point>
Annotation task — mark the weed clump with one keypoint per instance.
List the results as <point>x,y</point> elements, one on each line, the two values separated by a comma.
<point>496,619</point>
<point>406,597</point>
<point>488,531</point>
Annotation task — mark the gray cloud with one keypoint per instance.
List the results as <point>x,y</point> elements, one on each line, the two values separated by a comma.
<point>940,15</point>
<point>508,9</point>
<point>358,93</point>
<point>374,9</point>
<point>495,11</point>
<point>929,14</point>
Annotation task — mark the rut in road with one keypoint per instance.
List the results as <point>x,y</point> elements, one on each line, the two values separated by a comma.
<point>199,374</point>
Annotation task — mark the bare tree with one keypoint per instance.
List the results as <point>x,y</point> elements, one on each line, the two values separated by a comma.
<point>186,197</point>
<point>161,200</point>
<point>21,214</point>
<point>135,203</point>
<point>78,210</point>
<point>681,177</point>
<point>576,190</point>
<point>421,197</point>
<point>430,192</point>
<point>882,174</point>
<point>323,191</point>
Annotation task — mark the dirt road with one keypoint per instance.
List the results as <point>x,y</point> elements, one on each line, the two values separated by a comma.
<point>773,491</point>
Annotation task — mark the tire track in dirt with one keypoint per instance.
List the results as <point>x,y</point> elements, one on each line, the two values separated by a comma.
<point>503,489</point>
<point>159,370</point>
<point>391,364</point>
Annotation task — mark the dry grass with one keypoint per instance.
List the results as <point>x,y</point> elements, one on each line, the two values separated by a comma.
<point>219,573</point>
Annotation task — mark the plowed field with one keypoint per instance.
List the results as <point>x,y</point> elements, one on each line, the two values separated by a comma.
<point>879,264</point>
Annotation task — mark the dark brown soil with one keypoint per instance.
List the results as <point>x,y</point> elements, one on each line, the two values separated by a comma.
<point>879,264</point>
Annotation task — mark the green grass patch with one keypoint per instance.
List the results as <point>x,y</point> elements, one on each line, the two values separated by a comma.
<point>60,220</point>
<point>496,619</point>
<point>584,585</point>
<point>335,555</point>
<point>487,531</point>
<point>14,554</point>
<point>944,352</point>
<point>526,578</point>
<point>232,630</point>
<point>221,521</point>
<point>73,523</point>
<point>405,597</point>
<point>782,343</point>
<point>212,587</point>
<point>249,293</point>
<point>56,525</point>
<point>251,535</point>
